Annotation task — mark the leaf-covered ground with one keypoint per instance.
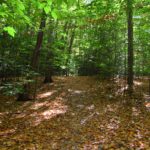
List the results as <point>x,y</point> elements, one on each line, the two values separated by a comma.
<point>77,113</point>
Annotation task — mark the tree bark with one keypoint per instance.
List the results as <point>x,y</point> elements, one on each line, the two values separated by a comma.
<point>34,61</point>
<point>36,52</point>
<point>130,45</point>
<point>48,76</point>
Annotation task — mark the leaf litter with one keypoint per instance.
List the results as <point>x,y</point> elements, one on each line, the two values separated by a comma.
<point>77,113</point>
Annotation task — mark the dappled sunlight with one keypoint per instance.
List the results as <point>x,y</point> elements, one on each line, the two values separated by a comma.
<point>46,94</point>
<point>135,111</point>
<point>21,115</point>
<point>76,92</point>
<point>50,113</point>
<point>137,83</point>
<point>3,113</point>
<point>7,132</point>
<point>113,124</point>
<point>91,146</point>
<point>137,143</point>
<point>71,117</point>
<point>51,110</point>
<point>80,106</point>
<point>119,80</point>
<point>147,98</point>
<point>111,108</point>
<point>121,90</point>
<point>147,101</point>
<point>42,109</point>
<point>91,107</point>
<point>89,118</point>
<point>38,105</point>
<point>138,134</point>
<point>147,105</point>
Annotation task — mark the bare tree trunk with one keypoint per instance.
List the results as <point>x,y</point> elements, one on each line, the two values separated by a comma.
<point>48,76</point>
<point>130,45</point>
<point>36,52</point>
<point>34,61</point>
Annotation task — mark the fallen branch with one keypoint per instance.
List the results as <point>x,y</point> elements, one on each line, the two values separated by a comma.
<point>88,118</point>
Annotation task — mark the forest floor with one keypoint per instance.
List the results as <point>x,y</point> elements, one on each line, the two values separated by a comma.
<point>78,113</point>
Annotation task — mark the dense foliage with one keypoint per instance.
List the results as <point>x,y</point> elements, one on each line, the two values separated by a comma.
<point>79,38</point>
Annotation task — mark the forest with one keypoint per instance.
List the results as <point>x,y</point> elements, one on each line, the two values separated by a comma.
<point>74,74</point>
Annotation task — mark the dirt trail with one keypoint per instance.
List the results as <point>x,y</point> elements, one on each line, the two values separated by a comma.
<point>74,113</point>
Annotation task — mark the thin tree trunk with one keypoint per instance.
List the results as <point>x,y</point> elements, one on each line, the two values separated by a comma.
<point>130,45</point>
<point>35,58</point>
<point>36,52</point>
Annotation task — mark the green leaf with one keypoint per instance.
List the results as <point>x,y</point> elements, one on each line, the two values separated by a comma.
<point>3,14</point>
<point>54,14</point>
<point>21,5</point>
<point>49,2</point>
<point>27,19</point>
<point>59,2</point>
<point>47,9</point>
<point>11,31</point>
<point>41,5</point>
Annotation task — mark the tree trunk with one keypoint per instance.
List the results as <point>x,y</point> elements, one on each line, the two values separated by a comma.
<point>35,58</point>
<point>48,76</point>
<point>36,52</point>
<point>130,45</point>
<point>49,68</point>
<point>25,95</point>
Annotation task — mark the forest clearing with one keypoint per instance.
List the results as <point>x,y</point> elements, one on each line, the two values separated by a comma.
<point>75,75</point>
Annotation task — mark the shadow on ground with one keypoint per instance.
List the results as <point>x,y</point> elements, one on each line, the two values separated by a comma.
<point>76,113</point>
